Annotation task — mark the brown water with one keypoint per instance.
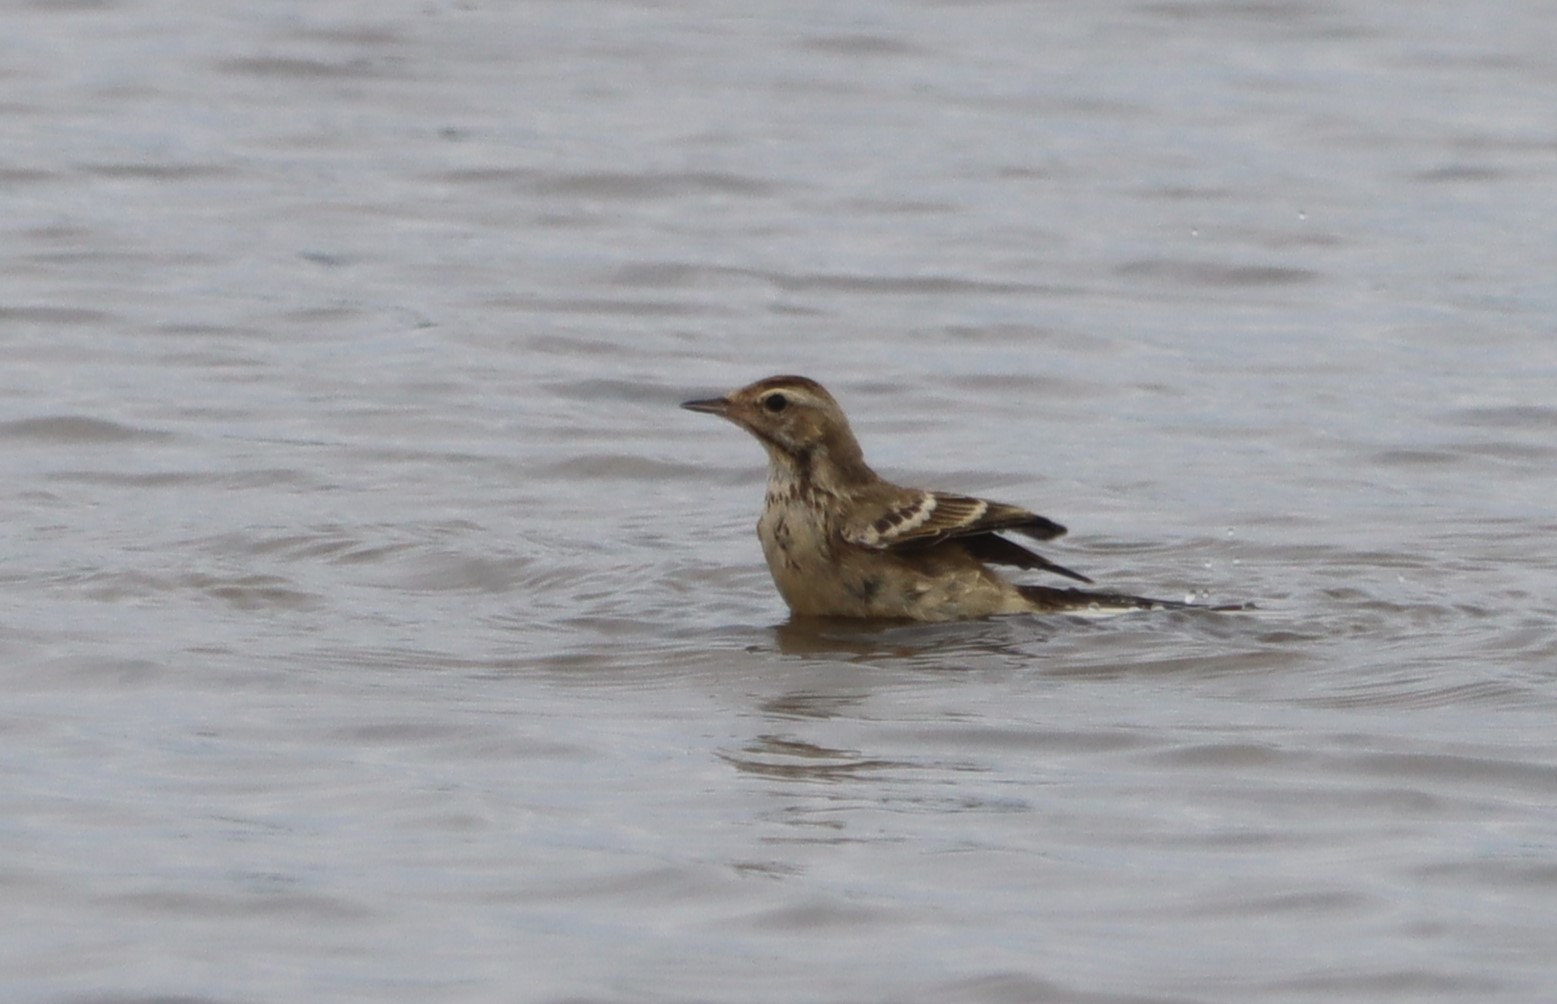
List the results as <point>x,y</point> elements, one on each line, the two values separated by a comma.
<point>375,628</point>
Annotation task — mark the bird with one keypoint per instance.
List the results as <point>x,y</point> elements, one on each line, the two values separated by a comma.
<point>843,542</point>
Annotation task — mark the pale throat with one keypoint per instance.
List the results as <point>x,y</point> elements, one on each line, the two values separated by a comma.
<point>813,475</point>
<point>785,473</point>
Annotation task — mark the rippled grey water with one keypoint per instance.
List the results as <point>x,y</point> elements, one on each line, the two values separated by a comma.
<point>375,628</point>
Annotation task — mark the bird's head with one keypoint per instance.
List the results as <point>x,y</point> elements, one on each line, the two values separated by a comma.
<point>794,417</point>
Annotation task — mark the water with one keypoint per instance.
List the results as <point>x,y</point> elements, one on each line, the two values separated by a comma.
<point>375,628</point>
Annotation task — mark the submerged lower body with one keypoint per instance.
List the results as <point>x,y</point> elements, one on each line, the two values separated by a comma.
<point>937,585</point>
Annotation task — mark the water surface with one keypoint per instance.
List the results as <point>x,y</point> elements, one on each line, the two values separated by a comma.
<point>375,628</point>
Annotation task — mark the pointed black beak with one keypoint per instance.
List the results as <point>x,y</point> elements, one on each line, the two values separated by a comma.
<point>709,406</point>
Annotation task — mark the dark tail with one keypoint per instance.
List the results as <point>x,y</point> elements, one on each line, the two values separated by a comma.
<point>1047,599</point>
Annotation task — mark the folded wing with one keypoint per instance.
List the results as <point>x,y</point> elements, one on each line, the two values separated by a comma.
<point>915,519</point>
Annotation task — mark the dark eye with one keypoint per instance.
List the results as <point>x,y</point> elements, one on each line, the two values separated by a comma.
<point>775,402</point>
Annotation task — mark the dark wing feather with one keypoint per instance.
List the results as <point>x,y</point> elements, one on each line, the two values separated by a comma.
<point>997,550</point>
